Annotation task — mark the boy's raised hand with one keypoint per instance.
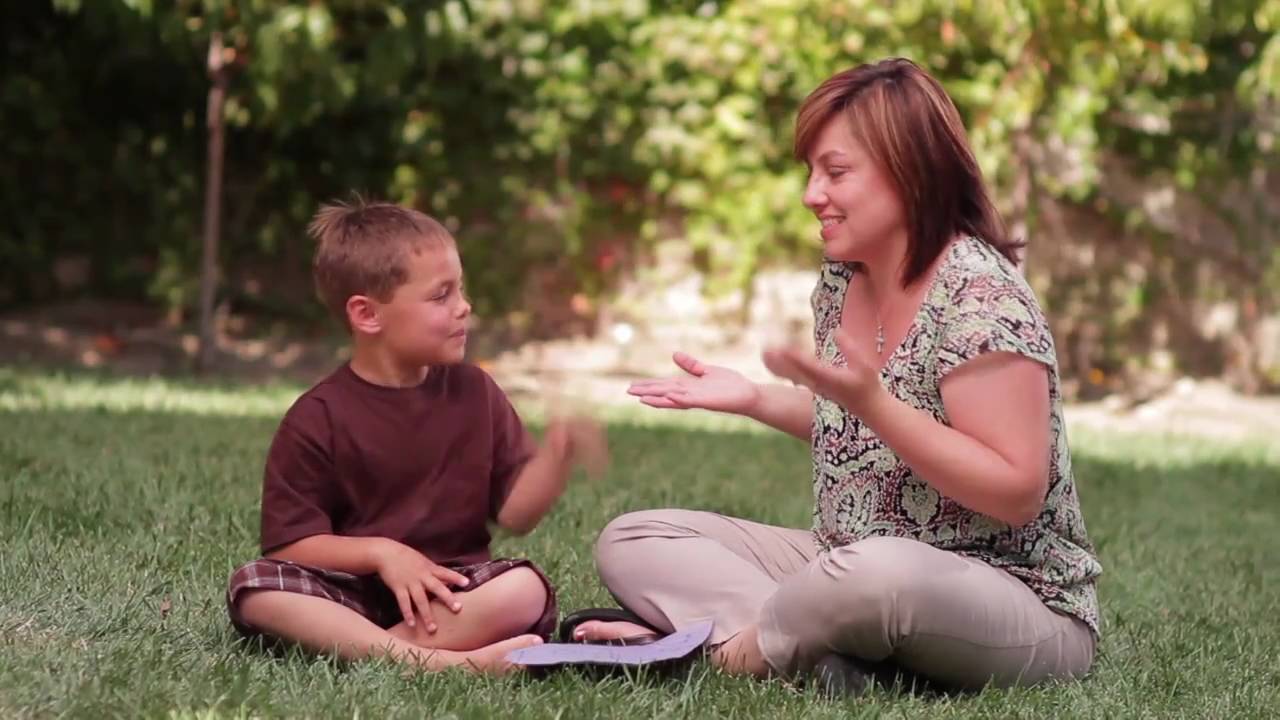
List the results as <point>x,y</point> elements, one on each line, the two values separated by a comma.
<point>578,439</point>
<point>570,439</point>
<point>414,578</point>
<point>572,436</point>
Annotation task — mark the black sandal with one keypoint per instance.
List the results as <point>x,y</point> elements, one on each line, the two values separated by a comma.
<point>573,620</point>
<point>841,676</point>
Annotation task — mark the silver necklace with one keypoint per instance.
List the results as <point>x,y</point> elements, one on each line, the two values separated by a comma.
<point>879,325</point>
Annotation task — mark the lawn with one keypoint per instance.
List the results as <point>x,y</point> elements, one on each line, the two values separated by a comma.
<point>126,504</point>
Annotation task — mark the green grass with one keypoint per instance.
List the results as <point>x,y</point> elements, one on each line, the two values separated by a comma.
<point>124,505</point>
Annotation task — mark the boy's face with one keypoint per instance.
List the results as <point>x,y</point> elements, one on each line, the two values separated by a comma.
<point>425,321</point>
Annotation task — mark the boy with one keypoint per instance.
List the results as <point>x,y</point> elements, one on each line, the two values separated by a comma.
<point>380,479</point>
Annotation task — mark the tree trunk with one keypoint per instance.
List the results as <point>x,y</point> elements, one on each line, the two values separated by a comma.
<point>1021,195</point>
<point>212,203</point>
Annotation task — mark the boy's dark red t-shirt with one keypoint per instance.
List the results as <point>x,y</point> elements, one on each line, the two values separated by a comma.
<point>427,466</point>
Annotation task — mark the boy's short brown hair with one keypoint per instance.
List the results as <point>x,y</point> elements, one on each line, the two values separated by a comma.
<point>363,247</point>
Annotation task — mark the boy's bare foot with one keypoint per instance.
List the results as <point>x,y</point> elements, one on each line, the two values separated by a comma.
<point>492,659</point>
<point>600,631</point>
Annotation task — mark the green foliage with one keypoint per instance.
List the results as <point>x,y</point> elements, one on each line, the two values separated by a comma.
<point>555,133</point>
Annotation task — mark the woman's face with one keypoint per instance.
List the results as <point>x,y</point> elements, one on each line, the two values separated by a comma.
<point>856,202</point>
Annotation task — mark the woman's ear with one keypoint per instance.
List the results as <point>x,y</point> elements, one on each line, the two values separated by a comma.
<point>362,315</point>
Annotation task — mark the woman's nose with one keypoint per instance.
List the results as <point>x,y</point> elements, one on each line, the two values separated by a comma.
<point>815,197</point>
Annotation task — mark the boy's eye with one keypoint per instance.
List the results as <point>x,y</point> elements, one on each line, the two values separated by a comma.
<point>448,291</point>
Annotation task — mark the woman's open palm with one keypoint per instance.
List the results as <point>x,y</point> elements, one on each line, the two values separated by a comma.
<point>707,387</point>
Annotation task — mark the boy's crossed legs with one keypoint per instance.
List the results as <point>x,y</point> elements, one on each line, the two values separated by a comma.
<point>507,606</point>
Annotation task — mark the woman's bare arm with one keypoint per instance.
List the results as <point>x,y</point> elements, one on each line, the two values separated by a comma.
<point>711,387</point>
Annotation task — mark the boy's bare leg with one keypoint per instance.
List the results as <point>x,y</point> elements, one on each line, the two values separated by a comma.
<point>504,607</point>
<point>324,626</point>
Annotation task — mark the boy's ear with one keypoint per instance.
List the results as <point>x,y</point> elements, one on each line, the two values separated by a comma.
<point>362,315</point>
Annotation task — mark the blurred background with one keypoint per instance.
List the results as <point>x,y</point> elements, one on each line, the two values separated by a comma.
<point>618,173</point>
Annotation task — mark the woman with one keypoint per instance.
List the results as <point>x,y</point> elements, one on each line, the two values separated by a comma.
<point>947,539</point>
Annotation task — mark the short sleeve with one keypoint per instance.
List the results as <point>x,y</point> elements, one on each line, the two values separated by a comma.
<point>513,446</point>
<point>991,313</point>
<point>298,484</point>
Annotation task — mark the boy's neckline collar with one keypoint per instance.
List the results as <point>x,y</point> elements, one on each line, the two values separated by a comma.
<point>426,376</point>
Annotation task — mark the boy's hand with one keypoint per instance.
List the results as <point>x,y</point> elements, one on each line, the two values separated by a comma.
<point>413,578</point>
<point>580,440</point>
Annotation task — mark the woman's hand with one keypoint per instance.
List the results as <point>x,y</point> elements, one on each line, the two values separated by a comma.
<point>852,386</point>
<point>706,387</point>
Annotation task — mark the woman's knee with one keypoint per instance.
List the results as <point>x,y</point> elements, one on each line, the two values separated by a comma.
<point>877,580</point>
<point>622,548</point>
<point>620,533</point>
<point>614,533</point>
<point>888,562</point>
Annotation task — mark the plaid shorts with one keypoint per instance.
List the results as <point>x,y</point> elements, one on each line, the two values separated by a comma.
<point>365,594</point>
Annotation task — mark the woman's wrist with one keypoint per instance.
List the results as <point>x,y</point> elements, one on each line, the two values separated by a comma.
<point>866,403</point>
<point>754,407</point>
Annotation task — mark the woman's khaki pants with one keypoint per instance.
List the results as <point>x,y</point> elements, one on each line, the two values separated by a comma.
<point>948,618</point>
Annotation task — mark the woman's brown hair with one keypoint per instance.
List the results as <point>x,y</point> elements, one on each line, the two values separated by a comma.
<point>908,125</point>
